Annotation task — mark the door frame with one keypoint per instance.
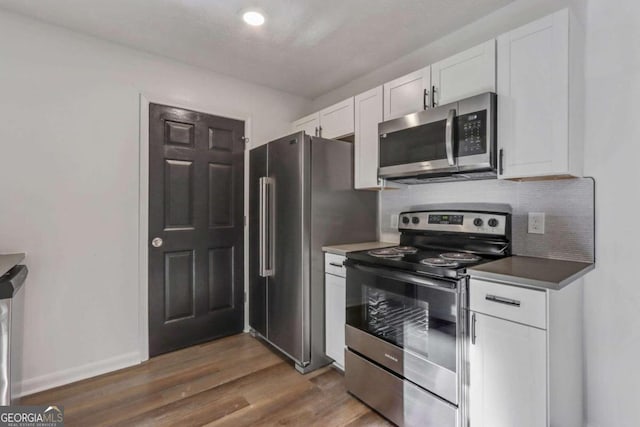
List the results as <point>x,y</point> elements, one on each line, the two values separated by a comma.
<point>143,203</point>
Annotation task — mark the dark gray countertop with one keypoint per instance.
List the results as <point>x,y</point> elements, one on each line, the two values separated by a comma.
<point>543,273</point>
<point>8,261</point>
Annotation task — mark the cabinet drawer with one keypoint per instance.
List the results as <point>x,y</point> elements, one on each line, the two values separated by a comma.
<point>333,264</point>
<point>527,306</point>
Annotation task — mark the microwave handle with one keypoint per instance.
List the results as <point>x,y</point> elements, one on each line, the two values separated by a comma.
<point>449,137</point>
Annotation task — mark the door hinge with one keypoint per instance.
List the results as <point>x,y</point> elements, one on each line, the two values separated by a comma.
<point>245,297</point>
<point>245,220</point>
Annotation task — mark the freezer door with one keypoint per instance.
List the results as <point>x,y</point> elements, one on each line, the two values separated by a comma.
<point>257,283</point>
<point>288,283</point>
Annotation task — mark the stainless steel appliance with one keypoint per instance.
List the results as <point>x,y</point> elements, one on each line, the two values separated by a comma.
<point>455,141</point>
<point>12,278</point>
<point>406,314</point>
<point>301,198</point>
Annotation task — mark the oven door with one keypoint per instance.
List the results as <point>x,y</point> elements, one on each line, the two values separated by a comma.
<point>408,323</point>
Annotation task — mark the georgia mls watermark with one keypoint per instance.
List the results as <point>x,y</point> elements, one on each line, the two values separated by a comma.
<point>31,416</point>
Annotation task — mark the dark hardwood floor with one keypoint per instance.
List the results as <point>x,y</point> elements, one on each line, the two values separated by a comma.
<point>236,381</point>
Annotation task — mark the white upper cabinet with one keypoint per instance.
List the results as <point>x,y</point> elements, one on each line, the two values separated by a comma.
<point>468,73</point>
<point>368,113</point>
<point>310,124</point>
<point>333,122</point>
<point>407,94</point>
<point>337,120</point>
<point>534,108</point>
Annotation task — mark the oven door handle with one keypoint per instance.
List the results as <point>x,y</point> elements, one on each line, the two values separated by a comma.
<point>403,277</point>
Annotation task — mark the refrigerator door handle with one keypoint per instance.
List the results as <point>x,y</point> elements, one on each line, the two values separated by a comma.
<point>261,225</point>
<point>264,234</point>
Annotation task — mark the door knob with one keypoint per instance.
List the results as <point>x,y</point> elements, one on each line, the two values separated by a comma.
<point>157,242</point>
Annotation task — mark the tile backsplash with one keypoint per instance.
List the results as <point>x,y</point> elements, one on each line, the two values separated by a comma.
<point>568,206</point>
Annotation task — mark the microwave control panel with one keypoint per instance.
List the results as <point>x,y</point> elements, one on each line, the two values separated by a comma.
<point>472,133</point>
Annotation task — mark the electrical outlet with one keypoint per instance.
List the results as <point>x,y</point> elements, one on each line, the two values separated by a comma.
<point>394,221</point>
<point>536,222</point>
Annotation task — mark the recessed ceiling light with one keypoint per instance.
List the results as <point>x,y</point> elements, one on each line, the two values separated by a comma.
<point>253,18</point>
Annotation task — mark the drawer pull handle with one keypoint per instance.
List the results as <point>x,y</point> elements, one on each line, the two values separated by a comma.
<point>388,356</point>
<point>335,264</point>
<point>502,300</point>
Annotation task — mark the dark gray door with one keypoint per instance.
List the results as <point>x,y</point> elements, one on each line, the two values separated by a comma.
<point>196,164</point>
<point>287,291</point>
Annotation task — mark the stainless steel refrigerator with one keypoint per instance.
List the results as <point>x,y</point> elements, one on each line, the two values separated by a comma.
<point>301,198</point>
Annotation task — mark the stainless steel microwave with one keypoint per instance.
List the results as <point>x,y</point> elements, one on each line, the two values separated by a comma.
<point>455,141</point>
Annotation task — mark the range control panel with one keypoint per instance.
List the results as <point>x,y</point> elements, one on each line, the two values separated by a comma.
<point>461,222</point>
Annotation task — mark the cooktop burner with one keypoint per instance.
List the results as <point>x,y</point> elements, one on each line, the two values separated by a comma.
<point>385,253</point>
<point>394,252</point>
<point>460,257</point>
<point>405,249</point>
<point>439,262</point>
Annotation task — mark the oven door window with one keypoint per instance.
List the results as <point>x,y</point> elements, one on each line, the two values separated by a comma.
<point>419,319</point>
<point>425,143</point>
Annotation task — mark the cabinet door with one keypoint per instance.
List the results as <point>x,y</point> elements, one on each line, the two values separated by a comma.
<point>335,306</point>
<point>368,109</point>
<point>310,124</point>
<point>508,374</point>
<point>533,96</point>
<point>468,73</point>
<point>337,121</point>
<point>407,94</point>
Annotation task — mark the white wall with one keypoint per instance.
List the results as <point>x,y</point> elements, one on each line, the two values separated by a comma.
<point>612,293</point>
<point>69,183</point>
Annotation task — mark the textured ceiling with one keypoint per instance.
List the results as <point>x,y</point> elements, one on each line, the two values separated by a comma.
<point>306,47</point>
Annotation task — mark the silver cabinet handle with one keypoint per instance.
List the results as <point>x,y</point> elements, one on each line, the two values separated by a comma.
<point>335,264</point>
<point>157,242</point>
<point>501,162</point>
<point>502,300</point>
<point>449,137</point>
<point>425,98</point>
<point>433,97</point>
<point>473,328</point>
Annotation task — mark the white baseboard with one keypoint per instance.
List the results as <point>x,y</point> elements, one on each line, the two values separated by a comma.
<point>67,376</point>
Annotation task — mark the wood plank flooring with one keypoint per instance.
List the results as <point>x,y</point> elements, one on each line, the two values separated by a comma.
<point>236,381</point>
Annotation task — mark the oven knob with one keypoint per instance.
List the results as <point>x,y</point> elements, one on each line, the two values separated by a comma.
<point>405,220</point>
<point>415,220</point>
<point>493,222</point>
<point>478,222</point>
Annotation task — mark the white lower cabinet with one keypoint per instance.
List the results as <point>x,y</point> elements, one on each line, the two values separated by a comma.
<point>335,287</point>
<point>525,356</point>
<point>508,374</point>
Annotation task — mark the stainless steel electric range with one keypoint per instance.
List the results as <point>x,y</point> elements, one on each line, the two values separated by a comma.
<point>406,315</point>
